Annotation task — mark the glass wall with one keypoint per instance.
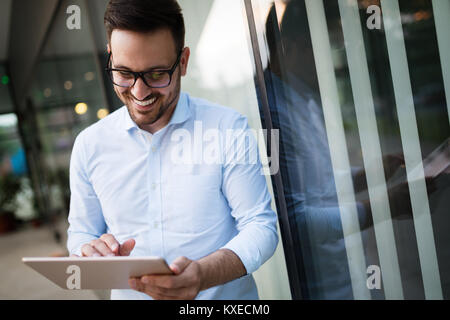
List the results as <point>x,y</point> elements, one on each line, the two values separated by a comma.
<point>221,70</point>
<point>67,95</point>
<point>359,93</point>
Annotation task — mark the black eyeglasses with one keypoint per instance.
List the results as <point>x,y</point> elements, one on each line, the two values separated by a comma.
<point>154,78</point>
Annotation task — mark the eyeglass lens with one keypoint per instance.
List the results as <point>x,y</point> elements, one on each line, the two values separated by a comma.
<point>153,78</point>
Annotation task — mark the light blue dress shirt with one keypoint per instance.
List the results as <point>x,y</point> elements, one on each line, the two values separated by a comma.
<point>125,182</point>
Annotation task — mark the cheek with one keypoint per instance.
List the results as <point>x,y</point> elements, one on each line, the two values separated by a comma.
<point>160,93</point>
<point>124,92</point>
<point>121,92</point>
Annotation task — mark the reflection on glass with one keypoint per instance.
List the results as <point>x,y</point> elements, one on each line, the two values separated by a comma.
<point>314,170</point>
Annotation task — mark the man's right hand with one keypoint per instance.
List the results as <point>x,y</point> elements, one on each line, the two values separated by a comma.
<point>399,201</point>
<point>107,246</point>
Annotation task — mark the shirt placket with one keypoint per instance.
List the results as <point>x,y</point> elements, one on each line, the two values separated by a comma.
<point>154,195</point>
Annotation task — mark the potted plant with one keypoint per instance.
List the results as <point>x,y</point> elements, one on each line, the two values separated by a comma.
<point>25,208</point>
<point>9,186</point>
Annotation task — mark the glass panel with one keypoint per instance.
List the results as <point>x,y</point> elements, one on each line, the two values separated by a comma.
<point>66,96</point>
<point>221,70</point>
<point>361,104</point>
<point>412,151</point>
<point>371,149</point>
<point>441,10</point>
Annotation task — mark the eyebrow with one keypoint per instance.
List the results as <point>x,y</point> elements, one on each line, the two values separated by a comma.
<point>160,67</point>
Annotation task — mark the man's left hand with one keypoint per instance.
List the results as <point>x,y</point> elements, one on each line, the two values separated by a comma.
<point>184,284</point>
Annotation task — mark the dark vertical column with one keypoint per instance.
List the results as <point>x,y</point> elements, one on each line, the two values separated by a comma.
<point>293,268</point>
<point>30,24</point>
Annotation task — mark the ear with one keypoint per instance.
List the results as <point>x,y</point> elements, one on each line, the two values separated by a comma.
<point>108,48</point>
<point>184,60</point>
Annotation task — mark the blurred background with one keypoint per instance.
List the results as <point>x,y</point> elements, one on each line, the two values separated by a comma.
<point>53,85</point>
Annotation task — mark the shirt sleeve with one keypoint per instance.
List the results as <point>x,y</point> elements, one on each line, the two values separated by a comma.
<point>86,221</point>
<point>244,185</point>
<point>325,223</point>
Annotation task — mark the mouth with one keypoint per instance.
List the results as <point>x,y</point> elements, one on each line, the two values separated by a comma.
<point>145,105</point>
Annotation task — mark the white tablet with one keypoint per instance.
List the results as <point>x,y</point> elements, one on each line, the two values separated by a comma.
<point>437,161</point>
<point>434,164</point>
<point>75,273</point>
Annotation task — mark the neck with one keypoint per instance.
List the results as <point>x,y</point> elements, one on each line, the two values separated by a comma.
<point>164,119</point>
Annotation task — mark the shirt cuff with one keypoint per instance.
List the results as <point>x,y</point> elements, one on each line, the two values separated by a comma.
<point>244,246</point>
<point>76,240</point>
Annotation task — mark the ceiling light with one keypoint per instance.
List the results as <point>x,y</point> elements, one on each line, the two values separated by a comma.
<point>101,113</point>
<point>81,108</point>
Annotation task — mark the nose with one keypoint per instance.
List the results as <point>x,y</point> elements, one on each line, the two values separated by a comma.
<point>140,90</point>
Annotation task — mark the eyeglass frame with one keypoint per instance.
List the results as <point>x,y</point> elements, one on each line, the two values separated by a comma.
<point>141,75</point>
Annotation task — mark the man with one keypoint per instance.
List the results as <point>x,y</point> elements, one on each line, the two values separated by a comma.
<point>211,221</point>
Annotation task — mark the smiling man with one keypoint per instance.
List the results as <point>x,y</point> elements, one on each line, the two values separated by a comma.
<point>212,222</point>
<point>161,66</point>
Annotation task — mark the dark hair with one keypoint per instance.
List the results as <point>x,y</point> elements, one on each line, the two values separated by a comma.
<point>294,26</point>
<point>146,16</point>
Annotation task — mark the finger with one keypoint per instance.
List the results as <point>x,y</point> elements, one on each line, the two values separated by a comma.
<point>137,285</point>
<point>126,247</point>
<point>111,242</point>
<point>132,282</point>
<point>179,264</point>
<point>158,293</point>
<point>88,251</point>
<point>164,293</point>
<point>162,281</point>
<point>73,255</point>
<point>431,185</point>
<point>101,247</point>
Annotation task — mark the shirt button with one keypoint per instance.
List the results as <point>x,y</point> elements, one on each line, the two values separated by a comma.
<point>154,148</point>
<point>153,186</point>
<point>155,224</point>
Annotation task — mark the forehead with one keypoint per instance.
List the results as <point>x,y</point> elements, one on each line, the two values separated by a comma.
<point>140,51</point>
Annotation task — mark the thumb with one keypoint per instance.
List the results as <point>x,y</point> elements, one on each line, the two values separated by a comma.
<point>126,247</point>
<point>179,264</point>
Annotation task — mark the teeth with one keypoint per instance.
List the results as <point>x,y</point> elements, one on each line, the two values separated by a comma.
<point>145,103</point>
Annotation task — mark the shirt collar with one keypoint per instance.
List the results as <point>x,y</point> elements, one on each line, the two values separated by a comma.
<point>181,114</point>
<point>128,123</point>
